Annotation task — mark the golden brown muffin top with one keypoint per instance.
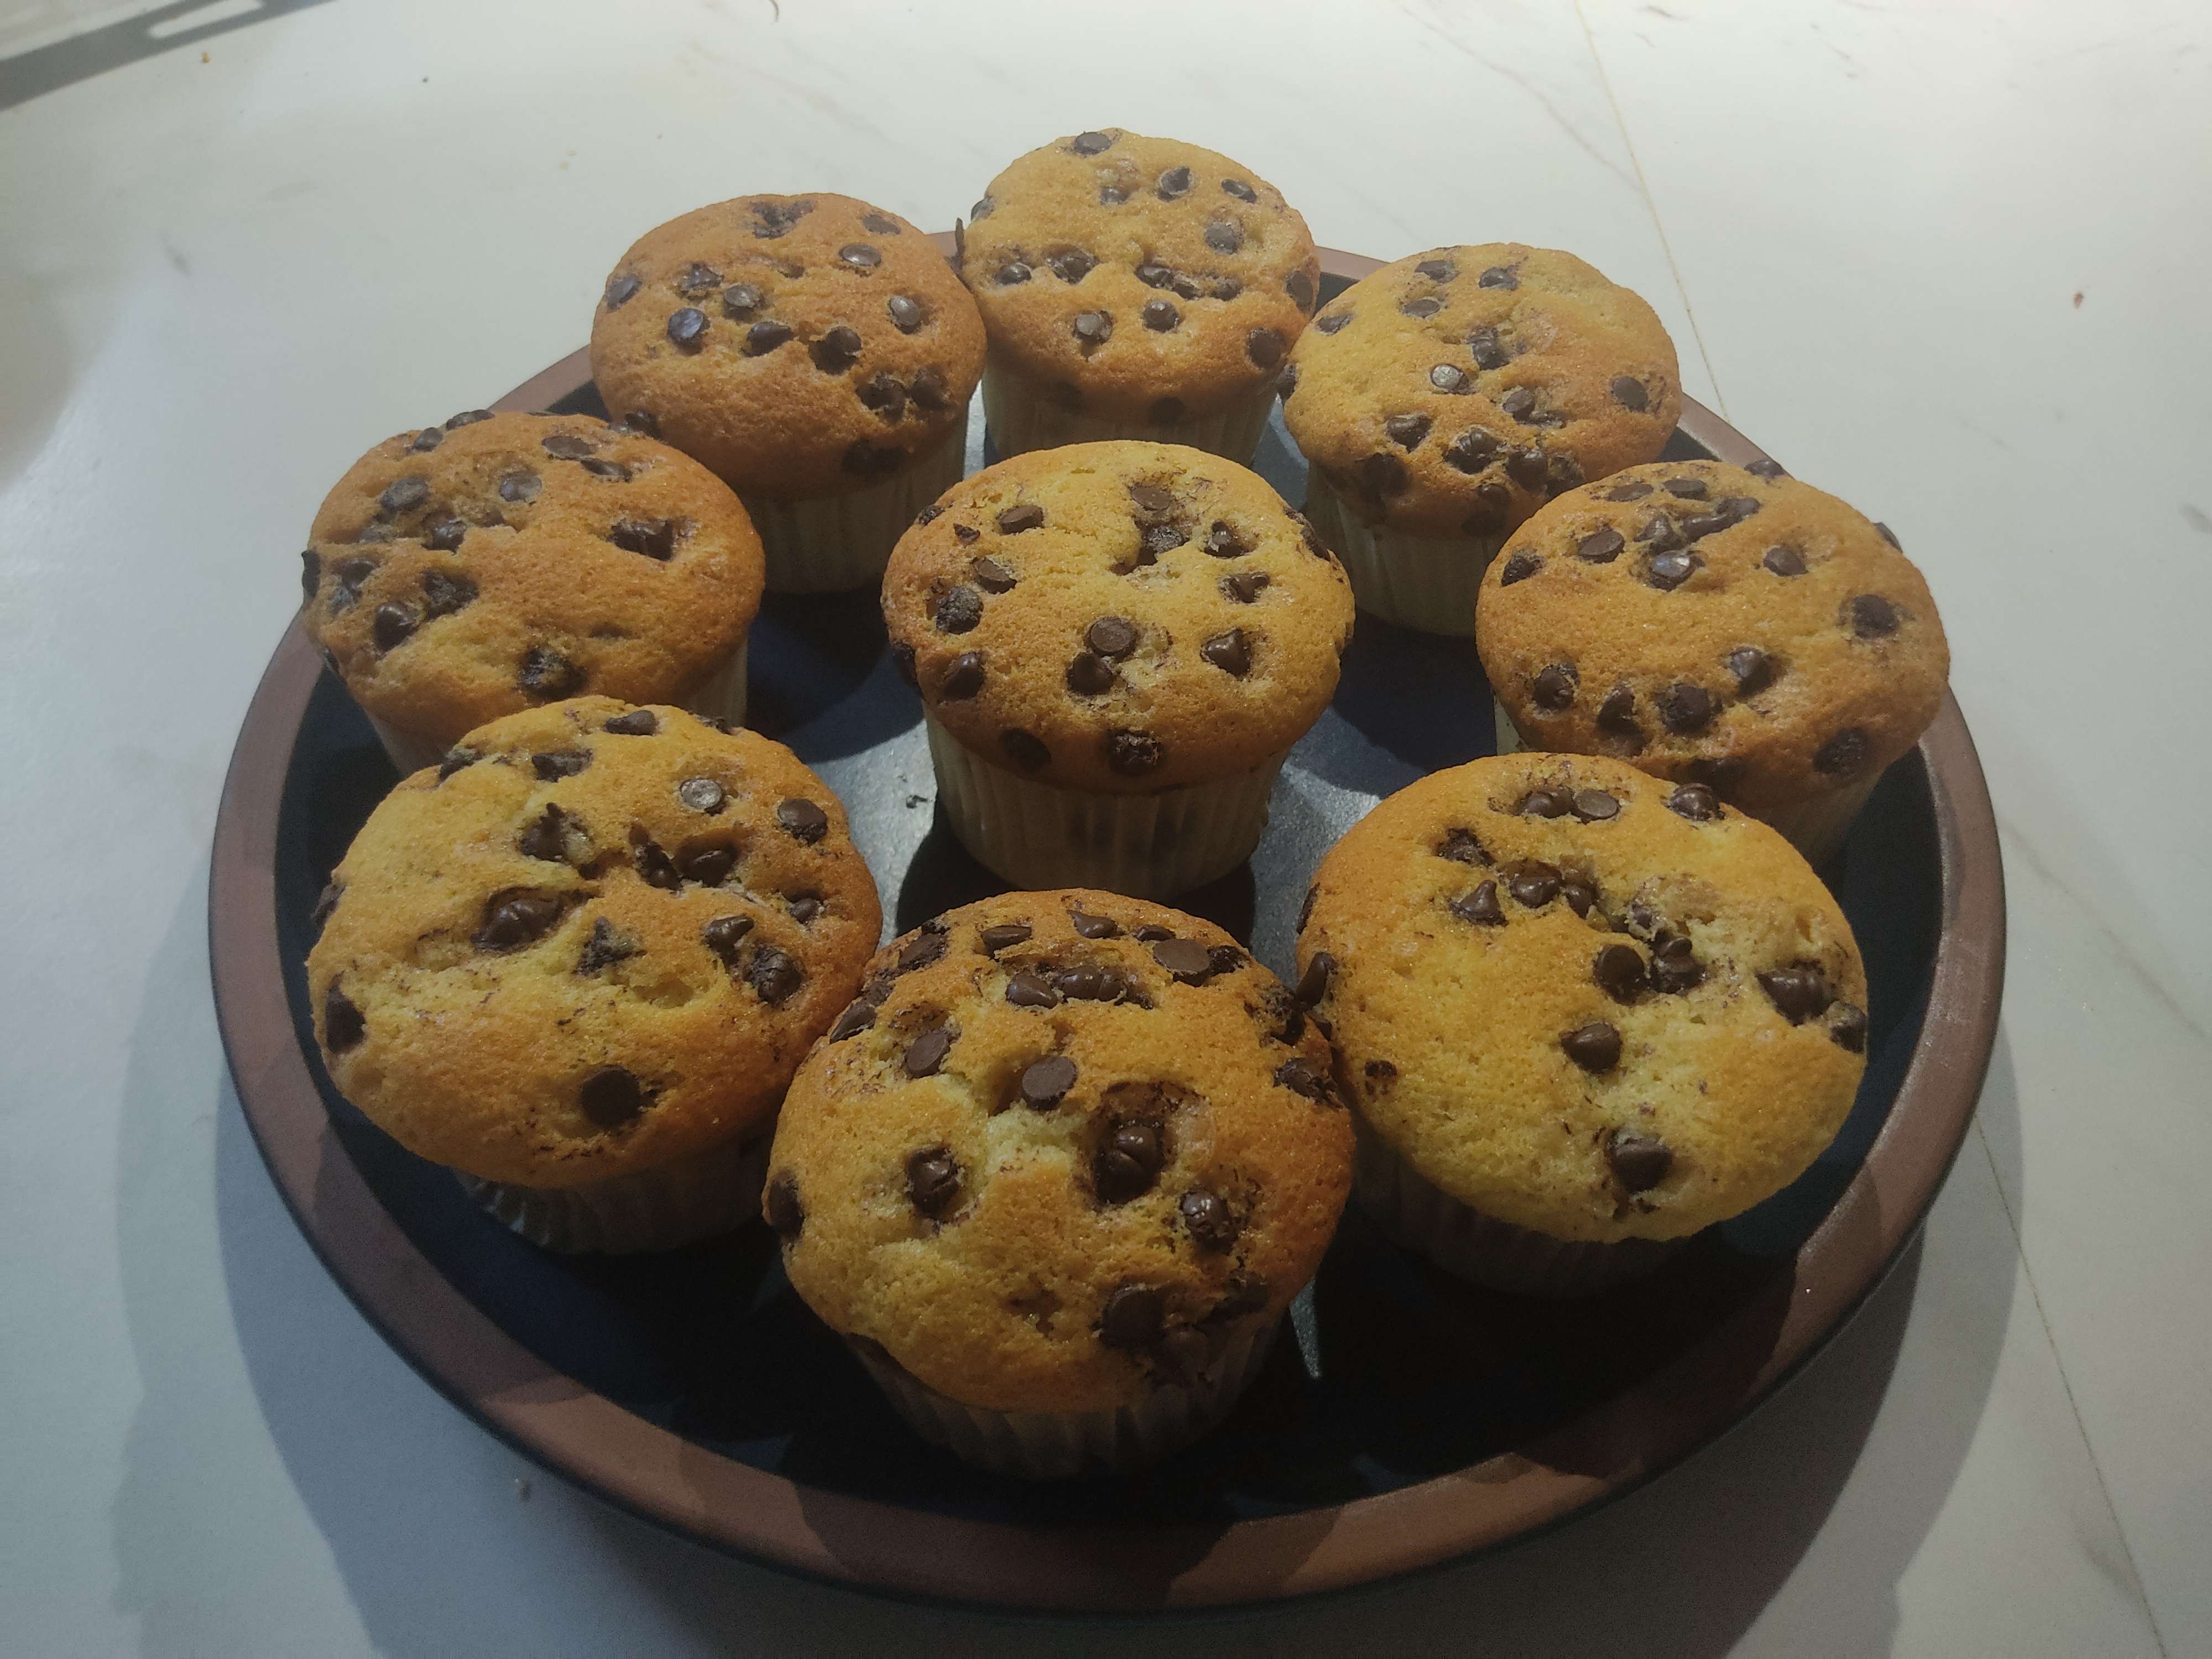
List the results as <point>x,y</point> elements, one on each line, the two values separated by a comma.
<point>1716,625</point>
<point>1135,273</point>
<point>1584,1000</point>
<point>1118,617</point>
<point>799,345</point>
<point>597,939</point>
<point>466,571</point>
<point>1066,1145</point>
<point>1453,392</point>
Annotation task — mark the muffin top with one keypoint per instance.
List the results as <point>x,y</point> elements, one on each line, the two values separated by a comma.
<point>1139,276</point>
<point>463,572</point>
<point>799,345</point>
<point>598,937</point>
<point>1118,617</point>
<point>1065,1146</point>
<point>1455,391</point>
<point>1584,1000</point>
<point>1721,626</point>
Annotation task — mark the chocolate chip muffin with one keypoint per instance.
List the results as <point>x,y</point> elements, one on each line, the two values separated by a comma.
<point>813,350</point>
<point>1057,1173</point>
<point>499,562</point>
<point>1714,625</point>
<point>1135,288</point>
<point>579,961</point>
<point>1444,398</point>
<point>1580,1011</point>
<point>1116,644</point>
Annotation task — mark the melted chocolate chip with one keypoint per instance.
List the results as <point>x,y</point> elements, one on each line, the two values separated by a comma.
<point>605,948</point>
<point>1595,1047</point>
<point>1462,848</point>
<point>1187,960</point>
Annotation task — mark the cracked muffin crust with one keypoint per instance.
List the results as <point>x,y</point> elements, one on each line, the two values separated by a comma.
<point>1452,392</point>
<point>1066,1146</point>
<point>599,938</point>
<point>1139,281</point>
<point>1714,625</point>
<point>470,570</point>
<point>1118,618</point>
<point>799,346</point>
<point>1583,1000</point>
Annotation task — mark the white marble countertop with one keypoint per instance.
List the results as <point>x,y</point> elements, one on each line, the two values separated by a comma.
<point>1945,260</point>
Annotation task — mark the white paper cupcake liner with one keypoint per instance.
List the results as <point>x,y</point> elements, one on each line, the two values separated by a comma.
<point>831,544</point>
<point>716,1191</point>
<point>721,694</point>
<point>1461,1240</point>
<point>1052,1446</point>
<point>1036,834</point>
<point>1427,582</point>
<point>1023,417</point>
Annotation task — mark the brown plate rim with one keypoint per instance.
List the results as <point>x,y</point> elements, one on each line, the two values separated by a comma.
<point>734,1507</point>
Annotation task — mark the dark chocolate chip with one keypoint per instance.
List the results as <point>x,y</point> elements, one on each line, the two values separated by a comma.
<point>1595,805</point>
<point>1186,959</point>
<point>1111,636</point>
<point>1873,617</point>
<point>1300,287</point>
<point>1305,908</point>
<point>1212,1224</point>
<point>1521,403</point>
<point>1889,535</point>
<point>1313,984</point>
<point>926,1053</point>
<point>1381,474</point>
<point>786,1214</point>
<point>883,393</point>
<point>519,487</point>
<point>1132,754</point>
<point>604,469</point>
<point>859,1015</point>
<point>1024,749</point>
<point>612,1099</point>
<point>1225,236</point>
<point>836,350</point>
<point>1460,846</point>
<point>393,625</point>
<point>765,336</point>
<point>1264,346</point>
<point>991,576</point>
<point>1693,801</point>
<point>654,538</point>
<point>1406,430</point>
<point>1784,561</point>
<point>932,1179</point>
<point>1045,1083</point>
<point>1224,542</point>
<point>1092,328</point>
<point>1619,971</point>
<point>621,290</point>
<point>404,495</point>
<point>1533,883</point>
<point>1685,489</point>
<point>447,535</point>
<point>1132,1318</point>
<point>544,672</point>
<point>1685,707</point>
<point>1030,989</point>
<point>985,206</point>
<point>1012,272</point>
<point>1765,467</point>
<point>1595,1047</point>
<point>427,439</point>
<point>1087,925</point>
<point>1302,1077</point>
<point>774,975</point>
<point>605,948</point>
<point>1089,675</point>
<point>958,610</point>
<point>1519,568</point>
<point>1634,490</point>
<point>709,867</point>
<point>1669,570</point>
<point>1546,804</point>
<point>1423,306</point>
<point>1473,450</point>
<point>456,760</point>
<point>1232,653</point>
<point>1799,992</point>
<point>1161,315</point>
<point>1084,143</point>
<point>1498,277</point>
<point>802,820</point>
<point>687,328</point>
<point>1153,275</point>
<point>1751,669</point>
<point>467,418</point>
<point>1638,1161</point>
<point>1553,690</point>
<point>1480,908</point>
<point>343,1024</point>
<point>928,944</point>
<point>1129,1161</point>
<point>1842,753</point>
<point>1628,391</point>
<point>1525,467</point>
<point>723,935</point>
<point>1333,322</point>
<point>1579,891</point>
<point>566,445</point>
<point>1015,519</point>
<point>1674,969</point>
<point>701,795</point>
<point>1244,586</point>
<point>1847,1026</point>
<point>513,919</point>
<point>325,901</point>
<point>1166,411</point>
<point>860,256</point>
<point>964,678</point>
<point>740,301</point>
<point>556,763</point>
<point>1617,714</point>
<point>902,661</point>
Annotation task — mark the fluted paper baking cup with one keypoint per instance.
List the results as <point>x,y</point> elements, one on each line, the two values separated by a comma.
<point>722,695</point>
<point>831,544</point>
<point>1023,417</point>
<point>1461,1240</point>
<point>680,1202</point>
<point>1037,835</point>
<point>1427,582</point>
<point>1051,1445</point>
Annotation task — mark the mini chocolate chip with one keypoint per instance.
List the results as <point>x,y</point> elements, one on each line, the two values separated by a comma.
<point>1579,891</point>
<point>1132,1318</point>
<point>1752,668</point>
<point>1161,315</point>
<point>1685,707</point>
<point>1480,908</point>
<point>774,975</point>
<point>1638,1161</point>
<point>802,820</point>
<point>1425,306</point>
<point>519,487</point>
<point>456,760</point>
<point>404,495</point>
<point>513,919</point>
<point>1619,971</point>
<point>343,1024</point>
<point>1313,984</point>
<point>1519,568</point>
<point>544,672</point>
<point>1693,801</point>
<point>1498,277</point>
<point>1842,753</point>
<point>958,610</point>
<point>932,1179</point>
<point>621,290</point>
<point>1847,1026</point>
<point>1799,992</point>
<point>1264,346</point>
<point>1595,805</point>
<point>687,328</point>
<point>1628,391</point>
<point>1084,143</point>
<point>1335,321</point>
<point>1089,675</point>
<point>393,625</point>
<point>1546,804</point>
<point>1212,1224</point>
<point>557,763</point>
<point>1533,883</point>
<point>1030,989</point>
<point>1232,653</point>
<point>1186,959</point>
<point>1025,750</point>
<point>1460,846</point>
<point>1302,1077</point>
<point>1015,519</point>
<point>1669,570</point>
<point>1004,936</point>
<point>740,301</point>
<point>1244,586</point>
<point>1600,546</point>
<point>1128,1162</point>
<point>926,1053</point>
<point>1132,754</point>
<point>722,936</point>
<point>1873,617</point>
<point>1784,561</point>
<point>765,336</point>
<point>1595,1047</point>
